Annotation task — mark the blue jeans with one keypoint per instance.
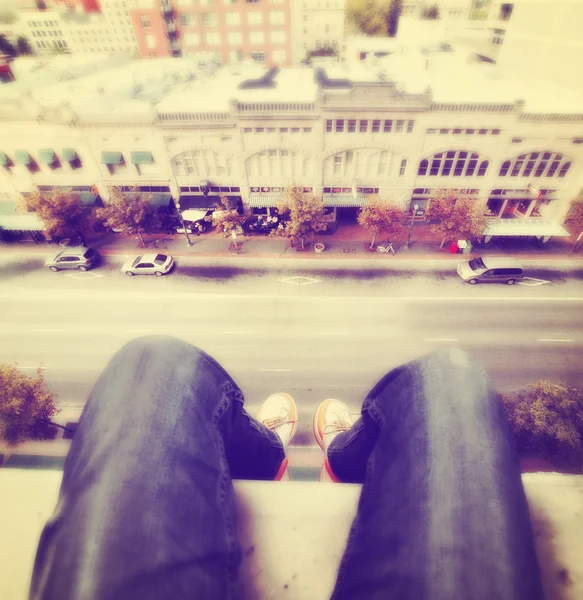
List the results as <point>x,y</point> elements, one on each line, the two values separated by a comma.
<point>146,507</point>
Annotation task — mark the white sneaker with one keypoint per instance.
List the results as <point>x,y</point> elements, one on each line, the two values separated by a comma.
<point>331,418</point>
<point>279,413</point>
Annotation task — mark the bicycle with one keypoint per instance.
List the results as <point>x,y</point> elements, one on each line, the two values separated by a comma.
<point>388,247</point>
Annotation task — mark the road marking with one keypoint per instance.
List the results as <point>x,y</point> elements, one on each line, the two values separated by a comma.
<point>84,275</point>
<point>299,280</point>
<point>534,281</point>
<point>440,339</point>
<point>274,370</point>
<point>553,340</point>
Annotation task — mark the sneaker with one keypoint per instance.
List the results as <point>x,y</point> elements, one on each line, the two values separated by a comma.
<point>279,413</point>
<point>331,418</point>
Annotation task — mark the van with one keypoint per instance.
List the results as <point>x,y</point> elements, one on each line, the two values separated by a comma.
<point>490,269</point>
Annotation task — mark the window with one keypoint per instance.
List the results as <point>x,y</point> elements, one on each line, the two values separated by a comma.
<point>403,167</point>
<point>536,164</point>
<point>277,17</point>
<point>455,163</point>
<point>351,126</point>
<point>307,130</point>
<point>517,140</point>
<point>482,131</point>
<point>201,163</point>
<point>150,41</point>
<point>495,132</point>
<point>376,125</point>
<point>410,126</point>
<point>233,18</point>
<point>283,130</point>
<point>259,129</point>
<point>277,163</point>
<point>258,56</point>
<point>255,18</point>
<point>339,126</point>
<point>577,140</point>
<point>213,39</point>
<point>279,55</point>
<point>187,19</point>
<point>145,20</point>
<point>400,124</point>
<point>256,37</point>
<point>295,129</point>
<point>191,39</point>
<point>234,37</point>
<point>329,126</point>
<point>209,19</point>
<point>271,130</point>
<point>277,37</point>
<point>363,126</point>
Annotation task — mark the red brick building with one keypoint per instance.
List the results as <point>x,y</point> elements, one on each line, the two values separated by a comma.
<point>230,29</point>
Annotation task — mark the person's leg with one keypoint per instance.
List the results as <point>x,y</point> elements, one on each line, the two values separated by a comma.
<point>442,513</point>
<point>146,508</point>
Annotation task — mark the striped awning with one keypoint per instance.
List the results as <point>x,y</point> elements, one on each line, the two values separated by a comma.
<point>534,226</point>
<point>28,222</point>
<point>263,200</point>
<point>46,156</point>
<point>22,157</point>
<point>69,154</point>
<point>142,158</point>
<point>345,200</point>
<point>111,158</point>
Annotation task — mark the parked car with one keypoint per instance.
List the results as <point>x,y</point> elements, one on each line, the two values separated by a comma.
<point>77,257</point>
<point>149,264</point>
<point>490,269</point>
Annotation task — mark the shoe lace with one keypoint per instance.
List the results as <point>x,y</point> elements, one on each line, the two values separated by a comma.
<point>339,425</point>
<point>274,422</point>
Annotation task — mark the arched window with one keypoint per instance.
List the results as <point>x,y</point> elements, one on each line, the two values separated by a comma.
<point>366,163</point>
<point>201,163</point>
<point>456,163</point>
<point>536,164</point>
<point>278,163</point>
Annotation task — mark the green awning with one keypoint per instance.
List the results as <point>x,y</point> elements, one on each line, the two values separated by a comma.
<point>69,154</point>
<point>87,198</point>
<point>3,159</point>
<point>47,156</point>
<point>21,157</point>
<point>111,158</point>
<point>142,158</point>
<point>161,199</point>
<point>29,222</point>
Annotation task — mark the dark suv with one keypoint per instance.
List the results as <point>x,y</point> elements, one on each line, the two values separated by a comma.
<point>79,257</point>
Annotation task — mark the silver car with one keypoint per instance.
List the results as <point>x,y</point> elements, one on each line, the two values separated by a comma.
<point>77,257</point>
<point>148,264</point>
<point>491,269</point>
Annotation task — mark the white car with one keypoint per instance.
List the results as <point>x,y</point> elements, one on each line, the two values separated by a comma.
<point>148,264</point>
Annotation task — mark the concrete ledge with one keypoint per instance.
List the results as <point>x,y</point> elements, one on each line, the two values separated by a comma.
<point>312,519</point>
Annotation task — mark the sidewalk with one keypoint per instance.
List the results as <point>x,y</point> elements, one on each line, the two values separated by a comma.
<point>349,242</point>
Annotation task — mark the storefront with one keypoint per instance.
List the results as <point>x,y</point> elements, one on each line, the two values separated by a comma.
<point>344,203</point>
<point>520,203</point>
<point>263,199</point>
<point>197,198</point>
<point>22,228</point>
<point>541,229</point>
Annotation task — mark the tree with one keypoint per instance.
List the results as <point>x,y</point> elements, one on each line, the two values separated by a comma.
<point>546,419</point>
<point>131,212</point>
<point>6,47</point>
<point>62,212</point>
<point>457,217</point>
<point>303,215</point>
<point>23,46</point>
<point>227,219</point>
<point>382,218</point>
<point>393,15</point>
<point>575,218</point>
<point>430,12</point>
<point>26,406</point>
<point>369,16</point>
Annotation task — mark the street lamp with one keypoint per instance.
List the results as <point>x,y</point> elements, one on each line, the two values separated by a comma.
<point>415,209</point>
<point>188,242</point>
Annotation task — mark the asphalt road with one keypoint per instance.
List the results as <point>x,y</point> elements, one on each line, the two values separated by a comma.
<point>311,332</point>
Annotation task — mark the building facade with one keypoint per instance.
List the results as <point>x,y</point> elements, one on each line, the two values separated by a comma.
<point>345,138</point>
<point>230,31</point>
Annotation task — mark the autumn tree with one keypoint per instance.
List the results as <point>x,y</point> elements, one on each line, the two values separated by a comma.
<point>62,212</point>
<point>23,47</point>
<point>227,220</point>
<point>26,406</point>
<point>369,16</point>
<point>546,419</point>
<point>575,218</point>
<point>303,215</point>
<point>382,218</point>
<point>132,213</point>
<point>430,12</point>
<point>456,217</point>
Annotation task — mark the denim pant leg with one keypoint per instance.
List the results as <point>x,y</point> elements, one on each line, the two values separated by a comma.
<point>146,508</point>
<point>442,513</point>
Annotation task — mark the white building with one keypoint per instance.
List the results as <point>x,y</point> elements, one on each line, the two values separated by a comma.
<point>316,25</point>
<point>403,127</point>
<point>448,9</point>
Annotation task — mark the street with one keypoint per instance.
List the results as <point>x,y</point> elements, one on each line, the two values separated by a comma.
<point>309,331</point>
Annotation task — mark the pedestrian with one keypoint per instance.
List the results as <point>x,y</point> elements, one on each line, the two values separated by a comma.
<point>146,509</point>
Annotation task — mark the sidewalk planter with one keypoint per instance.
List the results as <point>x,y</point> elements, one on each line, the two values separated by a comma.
<point>319,248</point>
